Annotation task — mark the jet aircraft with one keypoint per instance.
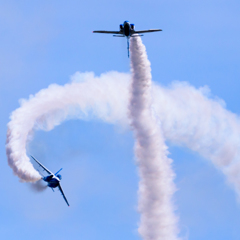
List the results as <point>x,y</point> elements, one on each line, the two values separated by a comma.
<point>53,180</point>
<point>127,29</point>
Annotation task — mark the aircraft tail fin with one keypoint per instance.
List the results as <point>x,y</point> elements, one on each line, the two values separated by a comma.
<point>58,172</point>
<point>128,46</point>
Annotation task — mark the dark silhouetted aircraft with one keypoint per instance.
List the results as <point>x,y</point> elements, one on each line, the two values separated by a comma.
<point>53,180</point>
<point>128,30</point>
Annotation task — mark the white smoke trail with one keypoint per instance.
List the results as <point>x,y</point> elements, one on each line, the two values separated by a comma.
<point>188,117</point>
<point>156,185</point>
<point>93,96</point>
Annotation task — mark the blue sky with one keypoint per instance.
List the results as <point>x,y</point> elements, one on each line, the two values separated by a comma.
<point>47,42</point>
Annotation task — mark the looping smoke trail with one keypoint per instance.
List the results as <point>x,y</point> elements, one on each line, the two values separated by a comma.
<point>188,116</point>
<point>156,185</point>
<point>85,98</point>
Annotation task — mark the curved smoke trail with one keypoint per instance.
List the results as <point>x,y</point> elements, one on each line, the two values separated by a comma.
<point>92,96</point>
<point>188,116</point>
<point>156,185</point>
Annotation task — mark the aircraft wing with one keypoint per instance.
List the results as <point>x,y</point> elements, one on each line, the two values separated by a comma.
<point>60,188</point>
<point>44,168</point>
<point>111,32</point>
<point>147,31</point>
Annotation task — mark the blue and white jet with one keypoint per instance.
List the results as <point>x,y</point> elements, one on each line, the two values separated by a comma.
<point>127,30</point>
<point>53,180</point>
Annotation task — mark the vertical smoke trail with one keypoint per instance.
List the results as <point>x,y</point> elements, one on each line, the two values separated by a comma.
<point>156,185</point>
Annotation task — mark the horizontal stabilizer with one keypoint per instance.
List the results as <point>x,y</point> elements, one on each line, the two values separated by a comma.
<point>137,35</point>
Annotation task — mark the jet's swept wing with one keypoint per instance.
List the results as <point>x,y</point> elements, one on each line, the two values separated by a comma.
<point>59,186</point>
<point>147,31</point>
<point>44,168</point>
<point>111,32</point>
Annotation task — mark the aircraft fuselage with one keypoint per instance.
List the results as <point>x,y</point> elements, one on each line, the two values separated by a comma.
<point>127,30</point>
<point>52,181</point>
